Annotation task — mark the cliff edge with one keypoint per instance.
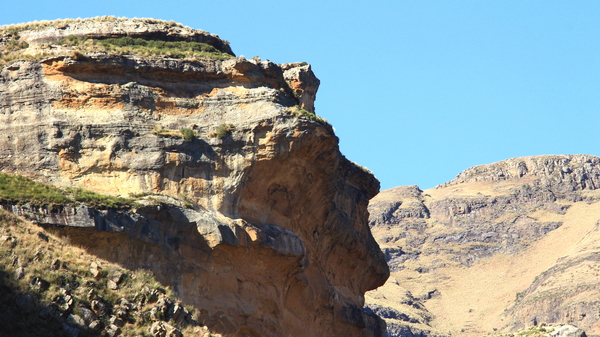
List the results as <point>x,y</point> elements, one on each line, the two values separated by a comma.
<point>246,207</point>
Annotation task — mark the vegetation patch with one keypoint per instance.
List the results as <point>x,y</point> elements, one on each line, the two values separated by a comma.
<point>16,189</point>
<point>222,130</point>
<point>13,49</point>
<point>187,134</point>
<point>297,111</point>
<point>101,201</point>
<point>532,332</point>
<point>127,45</point>
<point>39,25</point>
<point>11,57</point>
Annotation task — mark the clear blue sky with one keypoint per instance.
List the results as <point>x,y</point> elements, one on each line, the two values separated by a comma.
<point>417,90</point>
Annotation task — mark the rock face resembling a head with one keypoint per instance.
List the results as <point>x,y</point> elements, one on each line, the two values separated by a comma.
<point>252,213</point>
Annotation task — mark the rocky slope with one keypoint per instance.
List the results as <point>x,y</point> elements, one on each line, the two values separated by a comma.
<point>501,247</point>
<point>250,212</point>
<point>50,288</point>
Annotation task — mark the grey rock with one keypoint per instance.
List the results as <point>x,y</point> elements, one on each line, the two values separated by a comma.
<point>112,330</point>
<point>114,320</point>
<point>88,315</point>
<point>19,273</point>
<point>117,276</point>
<point>178,314</point>
<point>49,312</point>
<point>112,285</point>
<point>162,329</point>
<point>101,307</point>
<point>554,330</point>
<point>92,295</point>
<point>70,331</point>
<point>37,255</point>
<point>65,302</point>
<point>95,269</point>
<point>153,296</point>
<point>121,312</point>
<point>25,302</point>
<point>55,264</point>
<point>39,284</point>
<point>156,314</point>
<point>95,325</point>
<point>76,321</point>
<point>14,260</point>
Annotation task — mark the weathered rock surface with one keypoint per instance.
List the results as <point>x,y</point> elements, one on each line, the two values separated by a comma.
<point>274,240</point>
<point>564,173</point>
<point>118,27</point>
<point>502,246</point>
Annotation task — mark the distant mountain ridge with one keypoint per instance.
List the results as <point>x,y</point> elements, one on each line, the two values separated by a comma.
<point>562,172</point>
<point>492,250</point>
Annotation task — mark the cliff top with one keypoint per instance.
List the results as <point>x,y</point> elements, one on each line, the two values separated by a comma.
<point>253,215</point>
<point>144,37</point>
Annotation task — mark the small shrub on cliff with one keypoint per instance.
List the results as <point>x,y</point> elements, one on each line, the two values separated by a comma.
<point>188,134</point>
<point>16,44</point>
<point>222,130</point>
<point>297,111</point>
<point>77,55</point>
<point>297,94</point>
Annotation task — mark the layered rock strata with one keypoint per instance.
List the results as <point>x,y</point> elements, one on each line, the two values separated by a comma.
<point>502,247</point>
<point>251,213</point>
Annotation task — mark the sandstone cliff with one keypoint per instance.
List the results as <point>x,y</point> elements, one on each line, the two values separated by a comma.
<point>251,214</point>
<point>501,247</point>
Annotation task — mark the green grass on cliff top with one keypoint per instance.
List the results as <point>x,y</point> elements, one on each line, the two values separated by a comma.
<point>14,49</point>
<point>136,46</point>
<point>21,190</point>
<point>297,111</point>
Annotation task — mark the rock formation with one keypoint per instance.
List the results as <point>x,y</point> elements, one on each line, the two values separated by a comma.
<point>502,247</point>
<point>250,212</point>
